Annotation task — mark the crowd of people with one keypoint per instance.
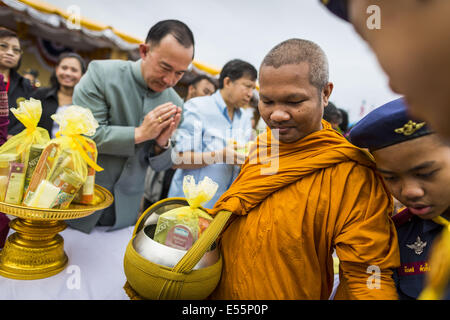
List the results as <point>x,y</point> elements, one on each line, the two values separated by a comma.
<point>332,190</point>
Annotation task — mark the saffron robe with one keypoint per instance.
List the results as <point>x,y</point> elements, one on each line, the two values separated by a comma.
<point>324,194</point>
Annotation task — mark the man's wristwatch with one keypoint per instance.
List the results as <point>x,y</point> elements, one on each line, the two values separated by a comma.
<point>169,142</point>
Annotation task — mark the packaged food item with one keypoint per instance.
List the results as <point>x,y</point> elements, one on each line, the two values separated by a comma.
<point>3,186</point>
<point>33,159</point>
<point>63,161</point>
<point>14,192</point>
<point>5,161</point>
<point>86,193</point>
<point>76,155</point>
<point>28,113</point>
<point>44,195</point>
<point>69,182</point>
<point>181,227</point>
<point>41,171</point>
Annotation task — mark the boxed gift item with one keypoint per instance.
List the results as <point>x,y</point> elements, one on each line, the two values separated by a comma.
<point>63,166</point>
<point>19,155</point>
<point>181,227</point>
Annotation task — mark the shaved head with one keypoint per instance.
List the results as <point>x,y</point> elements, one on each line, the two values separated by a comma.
<point>296,51</point>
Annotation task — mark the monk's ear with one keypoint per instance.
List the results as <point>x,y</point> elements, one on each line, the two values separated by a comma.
<point>326,93</point>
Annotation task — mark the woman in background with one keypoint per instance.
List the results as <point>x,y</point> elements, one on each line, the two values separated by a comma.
<point>68,72</point>
<point>17,87</point>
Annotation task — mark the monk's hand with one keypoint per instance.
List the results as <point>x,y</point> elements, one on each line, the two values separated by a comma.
<point>162,140</point>
<point>155,122</point>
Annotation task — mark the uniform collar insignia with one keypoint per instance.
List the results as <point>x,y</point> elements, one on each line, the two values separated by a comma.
<point>417,246</point>
<point>409,128</point>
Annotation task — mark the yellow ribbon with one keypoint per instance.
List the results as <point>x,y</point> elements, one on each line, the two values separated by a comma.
<point>31,132</point>
<point>80,144</point>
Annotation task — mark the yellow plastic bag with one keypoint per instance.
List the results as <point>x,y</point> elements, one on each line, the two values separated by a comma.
<point>63,166</point>
<point>16,166</point>
<point>181,227</point>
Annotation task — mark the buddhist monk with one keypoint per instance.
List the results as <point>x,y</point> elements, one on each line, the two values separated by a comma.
<point>324,194</point>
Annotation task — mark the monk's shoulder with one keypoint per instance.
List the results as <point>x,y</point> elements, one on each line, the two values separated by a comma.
<point>353,170</point>
<point>350,175</point>
<point>342,176</point>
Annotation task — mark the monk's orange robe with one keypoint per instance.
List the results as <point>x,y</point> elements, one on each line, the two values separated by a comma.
<point>325,194</point>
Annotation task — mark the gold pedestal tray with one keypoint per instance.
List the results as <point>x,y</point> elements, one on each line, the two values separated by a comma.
<point>36,250</point>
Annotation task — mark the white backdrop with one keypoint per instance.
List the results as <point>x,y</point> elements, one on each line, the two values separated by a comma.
<point>94,272</point>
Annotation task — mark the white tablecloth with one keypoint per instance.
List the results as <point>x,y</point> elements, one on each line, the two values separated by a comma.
<point>95,269</point>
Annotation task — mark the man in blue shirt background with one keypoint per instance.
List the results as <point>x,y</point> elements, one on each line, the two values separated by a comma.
<point>203,140</point>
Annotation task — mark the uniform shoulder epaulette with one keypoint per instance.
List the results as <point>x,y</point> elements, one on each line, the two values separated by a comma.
<point>402,217</point>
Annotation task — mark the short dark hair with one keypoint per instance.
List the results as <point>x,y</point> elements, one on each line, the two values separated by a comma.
<point>33,72</point>
<point>345,120</point>
<point>236,69</point>
<point>296,51</point>
<point>332,114</point>
<point>201,77</point>
<point>53,80</point>
<point>176,28</point>
<point>6,33</point>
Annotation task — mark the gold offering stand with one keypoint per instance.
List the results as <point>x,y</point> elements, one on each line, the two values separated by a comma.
<point>36,250</point>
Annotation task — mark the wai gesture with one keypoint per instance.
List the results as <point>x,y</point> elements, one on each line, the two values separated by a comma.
<point>159,124</point>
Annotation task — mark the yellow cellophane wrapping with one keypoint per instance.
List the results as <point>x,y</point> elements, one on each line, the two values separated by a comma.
<point>74,122</point>
<point>29,113</point>
<point>189,216</point>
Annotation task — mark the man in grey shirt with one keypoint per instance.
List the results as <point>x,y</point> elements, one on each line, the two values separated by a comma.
<point>137,110</point>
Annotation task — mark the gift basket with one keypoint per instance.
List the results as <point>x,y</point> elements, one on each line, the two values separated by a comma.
<point>173,253</point>
<point>44,182</point>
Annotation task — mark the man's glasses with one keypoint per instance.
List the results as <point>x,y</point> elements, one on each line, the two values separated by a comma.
<point>4,48</point>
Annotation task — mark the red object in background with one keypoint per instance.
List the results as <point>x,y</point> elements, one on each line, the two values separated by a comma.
<point>4,111</point>
<point>4,229</point>
<point>7,86</point>
<point>4,121</point>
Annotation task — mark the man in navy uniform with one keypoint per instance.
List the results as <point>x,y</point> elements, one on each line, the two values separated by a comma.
<point>415,164</point>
